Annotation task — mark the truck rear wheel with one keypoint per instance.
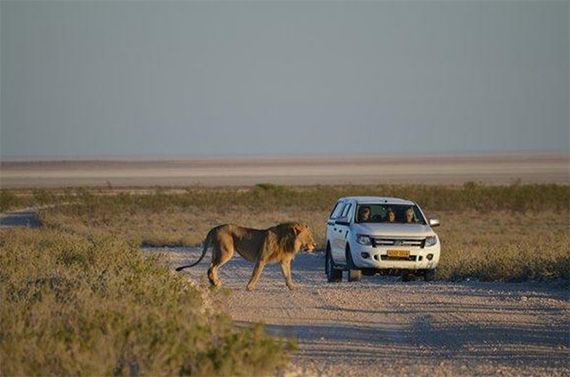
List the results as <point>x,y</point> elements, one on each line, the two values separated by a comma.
<point>333,275</point>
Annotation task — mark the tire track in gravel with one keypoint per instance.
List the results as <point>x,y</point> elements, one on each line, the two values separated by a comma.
<point>383,327</point>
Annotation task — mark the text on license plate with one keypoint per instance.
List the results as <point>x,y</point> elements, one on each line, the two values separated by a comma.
<point>399,253</point>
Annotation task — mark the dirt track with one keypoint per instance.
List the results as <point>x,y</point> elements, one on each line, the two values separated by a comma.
<point>381,326</point>
<point>22,217</point>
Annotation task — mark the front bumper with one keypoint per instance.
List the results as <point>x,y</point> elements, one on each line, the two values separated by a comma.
<point>367,256</point>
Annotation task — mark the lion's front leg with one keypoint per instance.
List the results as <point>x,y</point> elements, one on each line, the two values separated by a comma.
<point>286,268</point>
<point>256,274</point>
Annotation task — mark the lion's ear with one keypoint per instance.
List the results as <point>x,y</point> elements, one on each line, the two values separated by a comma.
<point>298,228</point>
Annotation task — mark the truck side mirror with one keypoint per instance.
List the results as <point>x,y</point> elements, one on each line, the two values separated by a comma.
<point>433,222</point>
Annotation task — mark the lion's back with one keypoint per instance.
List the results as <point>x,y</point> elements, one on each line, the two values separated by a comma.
<point>277,240</point>
<point>246,241</point>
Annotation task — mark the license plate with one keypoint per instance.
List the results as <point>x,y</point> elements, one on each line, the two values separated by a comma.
<point>399,253</point>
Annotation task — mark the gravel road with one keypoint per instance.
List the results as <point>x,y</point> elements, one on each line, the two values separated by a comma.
<point>22,217</point>
<point>384,327</point>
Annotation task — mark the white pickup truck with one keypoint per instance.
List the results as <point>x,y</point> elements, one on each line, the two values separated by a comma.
<point>380,235</point>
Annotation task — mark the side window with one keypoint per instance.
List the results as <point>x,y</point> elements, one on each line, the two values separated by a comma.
<point>346,210</point>
<point>336,210</point>
<point>418,214</point>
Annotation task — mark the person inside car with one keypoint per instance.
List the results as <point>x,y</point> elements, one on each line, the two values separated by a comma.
<point>364,214</point>
<point>390,216</point>
<point>410,216</point>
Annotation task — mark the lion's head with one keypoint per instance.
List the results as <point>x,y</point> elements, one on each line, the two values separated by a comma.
<point>304,237</point>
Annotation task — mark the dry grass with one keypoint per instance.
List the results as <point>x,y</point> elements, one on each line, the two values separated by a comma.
<point>180,226</point>
<point>485,237</point>
<point>90,304</point>
<point>79,298</point>
<point>263,197</point>
<point>505,246</point>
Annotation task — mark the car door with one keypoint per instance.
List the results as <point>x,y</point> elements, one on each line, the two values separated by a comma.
<point>340,230</point>
<point>335,213</point>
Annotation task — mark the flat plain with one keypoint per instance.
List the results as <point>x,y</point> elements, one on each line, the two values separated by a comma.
<point>489,169</point>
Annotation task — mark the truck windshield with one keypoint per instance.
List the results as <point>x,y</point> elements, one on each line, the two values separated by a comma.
<point>389,213</point>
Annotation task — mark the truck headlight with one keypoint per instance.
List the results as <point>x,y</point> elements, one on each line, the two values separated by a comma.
<point>363,239</point>
<point>430,241</point>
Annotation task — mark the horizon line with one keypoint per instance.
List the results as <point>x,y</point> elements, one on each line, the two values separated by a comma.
<point>278,156</point>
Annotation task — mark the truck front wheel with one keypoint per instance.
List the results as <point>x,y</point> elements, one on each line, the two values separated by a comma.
<point>353,274</point>
<point>429,275</point>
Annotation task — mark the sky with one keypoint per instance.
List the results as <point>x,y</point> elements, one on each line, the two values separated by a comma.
<point>282,78</point>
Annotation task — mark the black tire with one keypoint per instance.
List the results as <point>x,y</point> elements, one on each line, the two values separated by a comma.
<point>333,275</point>
<point>429,275</point>
<point>353,274</point>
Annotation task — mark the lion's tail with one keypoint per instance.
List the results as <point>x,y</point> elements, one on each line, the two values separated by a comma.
<point>207,243</point>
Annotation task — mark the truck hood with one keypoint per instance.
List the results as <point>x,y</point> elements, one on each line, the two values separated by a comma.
<point>400,230</point>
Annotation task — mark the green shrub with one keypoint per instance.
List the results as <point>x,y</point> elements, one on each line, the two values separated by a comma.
<point>8,200</point>
<point>43,197</point>
<point>93,305</point>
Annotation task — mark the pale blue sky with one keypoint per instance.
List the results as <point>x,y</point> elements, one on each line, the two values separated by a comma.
<point>182,78</point>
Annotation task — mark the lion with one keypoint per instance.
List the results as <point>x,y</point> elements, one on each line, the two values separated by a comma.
<point>278,244</point>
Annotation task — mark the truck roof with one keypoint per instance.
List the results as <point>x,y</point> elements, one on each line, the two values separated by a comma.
<point>377,200</point>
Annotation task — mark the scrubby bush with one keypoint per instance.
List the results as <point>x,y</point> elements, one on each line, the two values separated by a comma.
<point>477,220</point>
<point>535,258</point>
<point>266,196</point>
<point>8,200</point>
<point>93,305</point>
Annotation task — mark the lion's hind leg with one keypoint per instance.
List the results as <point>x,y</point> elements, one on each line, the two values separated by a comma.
<point>222,253</point>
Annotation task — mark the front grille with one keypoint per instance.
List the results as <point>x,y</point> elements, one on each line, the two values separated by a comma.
<point>411,258</point>
<point>408,242</point>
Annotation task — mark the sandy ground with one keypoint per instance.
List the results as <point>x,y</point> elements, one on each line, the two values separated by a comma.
<point>307,171</point>
<point>384,327</point>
